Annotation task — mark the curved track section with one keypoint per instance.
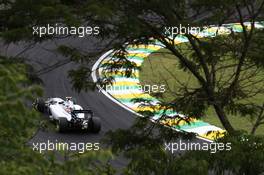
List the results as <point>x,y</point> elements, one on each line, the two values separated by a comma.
<point>124,89</point>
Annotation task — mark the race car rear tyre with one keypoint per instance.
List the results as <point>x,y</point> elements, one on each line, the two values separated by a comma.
<point>62,125</point>
<point>95,125</point>
<point>40,105</point>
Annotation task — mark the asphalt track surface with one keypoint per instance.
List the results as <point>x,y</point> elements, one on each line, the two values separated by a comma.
<point>112,116</point>
<point>57,84</point>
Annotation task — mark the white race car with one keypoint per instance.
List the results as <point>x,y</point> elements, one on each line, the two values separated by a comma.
<point>68,115</point>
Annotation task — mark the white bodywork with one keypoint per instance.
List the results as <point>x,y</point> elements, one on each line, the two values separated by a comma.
<point>62,108</point>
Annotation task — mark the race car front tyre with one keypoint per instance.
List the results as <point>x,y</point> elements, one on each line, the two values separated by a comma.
<point>95,125</point>
<point>62,125</point>
<point>40,105</point>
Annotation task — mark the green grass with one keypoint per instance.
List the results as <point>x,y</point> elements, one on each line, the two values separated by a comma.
<point>161,67</point>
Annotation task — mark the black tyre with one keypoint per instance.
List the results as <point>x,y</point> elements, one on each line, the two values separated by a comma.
<point>62,125</point>
<point>40,105</point>
<point>95,125</point>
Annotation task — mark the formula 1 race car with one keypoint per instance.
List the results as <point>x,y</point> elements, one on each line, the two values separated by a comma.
<point>68,115</point>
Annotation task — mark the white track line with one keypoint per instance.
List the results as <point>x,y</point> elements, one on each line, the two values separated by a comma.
<point>94,70</point>
<point>94,77</point>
